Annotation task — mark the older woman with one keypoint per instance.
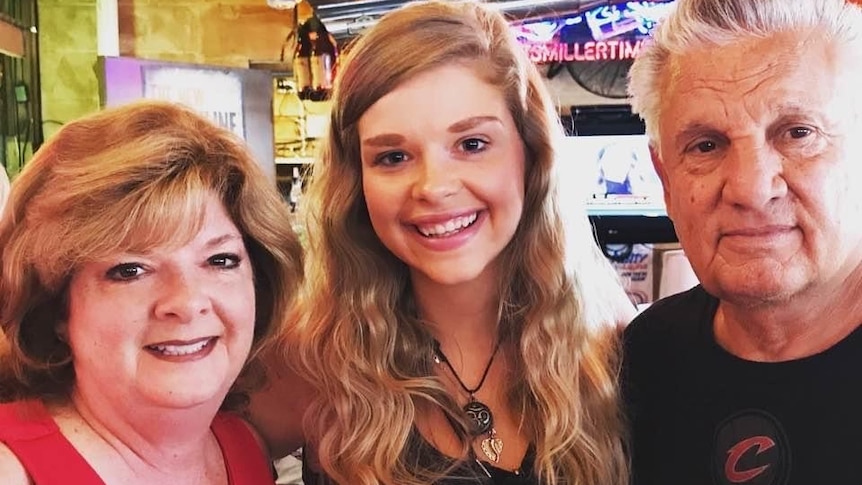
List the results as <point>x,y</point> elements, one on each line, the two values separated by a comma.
<point>144,258</point>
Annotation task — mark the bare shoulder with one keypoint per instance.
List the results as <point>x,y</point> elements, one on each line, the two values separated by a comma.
<point>11,470</point>
<point>276,411</point>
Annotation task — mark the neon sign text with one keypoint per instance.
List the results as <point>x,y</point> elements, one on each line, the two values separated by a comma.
<point>587,51</point>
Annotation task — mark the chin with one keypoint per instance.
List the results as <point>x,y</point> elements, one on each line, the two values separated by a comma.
<point>758,292</point>
<point>189,398</point>
<point>453,278</point>
<point>190,391</point>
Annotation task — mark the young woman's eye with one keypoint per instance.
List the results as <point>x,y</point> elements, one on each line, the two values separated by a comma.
<point>473,145</point>
<point>125,272</point>
<point>391,158</point>
<point>225,260</point>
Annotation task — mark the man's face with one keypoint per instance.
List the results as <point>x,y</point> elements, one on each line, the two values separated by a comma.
<point>759,146</point>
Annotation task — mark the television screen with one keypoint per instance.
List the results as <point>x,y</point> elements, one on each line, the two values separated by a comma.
<point>621,175</point>
<point>625,200</point>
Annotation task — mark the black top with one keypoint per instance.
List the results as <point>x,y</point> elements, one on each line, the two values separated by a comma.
<point>700,415</point>
<point>468,472</point>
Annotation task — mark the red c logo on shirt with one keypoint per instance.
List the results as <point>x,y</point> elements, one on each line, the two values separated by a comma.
<point>762,443</point>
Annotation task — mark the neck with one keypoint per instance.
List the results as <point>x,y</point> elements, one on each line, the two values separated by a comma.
<point>466,314</point>
<point>801,326</point>
<point>463,318</point>
<point>176,444</point>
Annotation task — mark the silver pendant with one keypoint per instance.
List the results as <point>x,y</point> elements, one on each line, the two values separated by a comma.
<point>492,446</point>
<point>480,416</point>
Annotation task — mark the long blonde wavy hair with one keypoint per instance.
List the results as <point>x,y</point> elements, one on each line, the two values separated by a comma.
<point>358,337</point>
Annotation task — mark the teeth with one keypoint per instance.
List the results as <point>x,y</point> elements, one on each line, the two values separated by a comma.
<point>450,227</point>
<point>180,349</point>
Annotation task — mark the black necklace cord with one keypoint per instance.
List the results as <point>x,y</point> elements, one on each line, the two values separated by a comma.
<point>478,414</point>
<point>439,352</point>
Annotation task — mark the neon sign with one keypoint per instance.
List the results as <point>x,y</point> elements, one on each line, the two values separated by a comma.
<point>588,51</point>
<point>612,32</point>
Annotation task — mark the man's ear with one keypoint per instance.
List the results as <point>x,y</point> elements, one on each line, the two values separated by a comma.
<point>657,164</point>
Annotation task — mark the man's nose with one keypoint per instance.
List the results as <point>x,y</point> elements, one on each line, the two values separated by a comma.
<point>754,175</point>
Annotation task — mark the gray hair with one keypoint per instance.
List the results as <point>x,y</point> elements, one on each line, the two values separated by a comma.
<point>695,24</point>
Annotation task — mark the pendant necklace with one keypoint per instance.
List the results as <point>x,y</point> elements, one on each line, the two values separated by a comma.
<point>478,413</point>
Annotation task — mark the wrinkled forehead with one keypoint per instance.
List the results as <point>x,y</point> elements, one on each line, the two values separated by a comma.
<point>748,62</point>
<point>757,79</point>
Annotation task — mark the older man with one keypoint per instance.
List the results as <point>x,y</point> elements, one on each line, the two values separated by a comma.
<point>754,112</point>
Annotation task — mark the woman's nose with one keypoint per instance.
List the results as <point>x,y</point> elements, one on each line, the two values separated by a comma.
<point>181,298</point>
<point>437,178</point>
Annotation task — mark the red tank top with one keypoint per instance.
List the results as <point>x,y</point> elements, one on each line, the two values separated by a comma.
<point>50,459</point>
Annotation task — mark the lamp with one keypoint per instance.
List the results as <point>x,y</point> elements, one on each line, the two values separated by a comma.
<point>281,4</point>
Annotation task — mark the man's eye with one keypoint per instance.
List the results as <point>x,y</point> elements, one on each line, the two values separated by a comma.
<point>125,272</point>
<point>798,132</point>
<point>705,146</point>
<point>225,260</point>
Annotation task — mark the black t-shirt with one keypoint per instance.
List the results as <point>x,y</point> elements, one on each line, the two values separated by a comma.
<point>422,455</point>
<point>701,416</point>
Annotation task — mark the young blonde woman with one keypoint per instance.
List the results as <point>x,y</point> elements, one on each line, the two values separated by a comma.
<point>444,336</point>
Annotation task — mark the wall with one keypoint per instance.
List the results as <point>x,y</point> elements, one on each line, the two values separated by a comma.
<point>67,52</point>
<point>224,33</point>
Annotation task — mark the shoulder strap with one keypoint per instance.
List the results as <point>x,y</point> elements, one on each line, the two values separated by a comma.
<point>245,461</point>
<point>30,432</point>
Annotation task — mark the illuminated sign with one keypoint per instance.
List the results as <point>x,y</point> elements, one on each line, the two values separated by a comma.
<point>588,51</point>
<point>214,93</point>
<point>611,32</point>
